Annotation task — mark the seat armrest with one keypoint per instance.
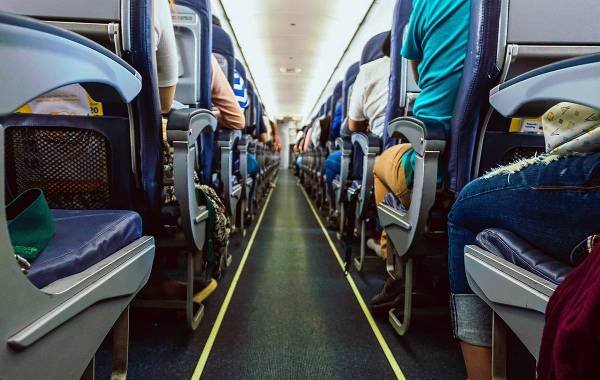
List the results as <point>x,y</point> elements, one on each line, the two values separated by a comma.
<point>428,139</point>
<point>422,134</point>
<point>574,80</point>
<point>183,129</point>
<point>344,144</point>
<point>243,144</point>
<point>187,124</point>
<point>369,143</point>
<point>227,138</point>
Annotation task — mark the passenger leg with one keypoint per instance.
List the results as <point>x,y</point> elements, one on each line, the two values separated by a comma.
<point>548,203</point>
<point>389,177</point>
<point>332,168</point>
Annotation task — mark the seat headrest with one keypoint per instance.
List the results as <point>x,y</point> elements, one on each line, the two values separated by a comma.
<point>328,105</point>
<point>321,110</point>
<point>337,93</point>
<point>241,70</point>
<point>374,48</point>
<point>352,72</point>
<point>224,51</point>
<point>204,12</point>
<point>349,79</point>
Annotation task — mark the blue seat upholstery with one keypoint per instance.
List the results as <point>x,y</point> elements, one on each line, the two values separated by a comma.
<point>401,17</point>
<point>204,12</point>
<point>480,74</point>
<point>223,49</point>
<point>513,248</point>
<point>372,50</point>
<point>349,79</point>
<point>82,239</point>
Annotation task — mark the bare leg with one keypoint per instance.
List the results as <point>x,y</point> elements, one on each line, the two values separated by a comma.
<point>478,361</point>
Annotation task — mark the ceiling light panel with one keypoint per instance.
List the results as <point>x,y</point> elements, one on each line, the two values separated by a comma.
<point>317,40</point>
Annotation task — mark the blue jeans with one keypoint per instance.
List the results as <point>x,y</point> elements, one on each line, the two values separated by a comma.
<point>332,168</point>
<point>553,206</point>
<point>252,166</point>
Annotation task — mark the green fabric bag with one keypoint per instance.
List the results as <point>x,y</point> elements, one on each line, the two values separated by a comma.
<point>30,223</point>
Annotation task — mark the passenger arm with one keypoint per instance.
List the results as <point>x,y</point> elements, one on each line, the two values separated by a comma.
<point>167,94</point>
<point>414,66</point>
<point>357,126</point>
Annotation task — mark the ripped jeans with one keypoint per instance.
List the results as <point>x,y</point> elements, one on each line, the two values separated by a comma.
<point>553,206</point>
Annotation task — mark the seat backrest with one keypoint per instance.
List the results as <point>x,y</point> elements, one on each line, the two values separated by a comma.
<point>398,70</point>
<point>224,52</point>
<point>79,161</point>
<point>193,31</point>
<point>373,48</point>
<point>143,118</point>
<point>337,101</point>
<point>349,79</point>
<point>136,45</point>
<point>322,110</point>
<point>250,114</point>
<point>240,88</point>
<point>480,74</point>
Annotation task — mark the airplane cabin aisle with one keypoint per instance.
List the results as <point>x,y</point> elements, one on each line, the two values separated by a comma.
<point>290,314</point>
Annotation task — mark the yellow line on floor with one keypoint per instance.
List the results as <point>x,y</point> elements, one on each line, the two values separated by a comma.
<point>215,330</point>
<point>384,346</point>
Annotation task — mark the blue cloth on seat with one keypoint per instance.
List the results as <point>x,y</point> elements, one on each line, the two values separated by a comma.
<point>82,239</point>
<point>392,201</point>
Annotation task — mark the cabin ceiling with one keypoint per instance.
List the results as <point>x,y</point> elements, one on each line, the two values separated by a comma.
<point>308,36</point>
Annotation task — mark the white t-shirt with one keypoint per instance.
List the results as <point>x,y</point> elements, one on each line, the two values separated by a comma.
<point>165,45</point>
<point>370,94</point>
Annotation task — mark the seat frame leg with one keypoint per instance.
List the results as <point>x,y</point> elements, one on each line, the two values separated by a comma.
<point>193,318</point>
<point>499,348</point>
<point>402,327</point>
<point>120,360</point>
<point>90,371</point>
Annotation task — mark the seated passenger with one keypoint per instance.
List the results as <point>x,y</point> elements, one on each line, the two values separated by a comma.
<point>551,200</point>
<point>225,105</point>
<point>436,46</point>
<point>366,110</point>
<point>333,162</point>
<point>226,109</point>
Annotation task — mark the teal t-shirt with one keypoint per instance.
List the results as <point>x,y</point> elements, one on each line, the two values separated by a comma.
<point>437,37</point>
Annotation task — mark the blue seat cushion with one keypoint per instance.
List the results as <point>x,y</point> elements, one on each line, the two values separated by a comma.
<point>513,248</point>
<point>82,239</point>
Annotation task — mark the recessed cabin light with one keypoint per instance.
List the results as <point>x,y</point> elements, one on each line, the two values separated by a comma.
<point>290,70</point>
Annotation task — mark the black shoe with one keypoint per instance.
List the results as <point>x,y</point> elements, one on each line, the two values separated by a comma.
<point>391,295</point>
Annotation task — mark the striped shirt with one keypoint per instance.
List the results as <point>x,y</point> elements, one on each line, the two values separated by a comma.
<point>240,91</point>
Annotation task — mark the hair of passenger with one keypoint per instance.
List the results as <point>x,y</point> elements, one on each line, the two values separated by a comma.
<point>216,21</point>
<point>387,45</point>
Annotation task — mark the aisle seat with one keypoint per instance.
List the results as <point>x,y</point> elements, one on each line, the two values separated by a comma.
<point>83,238</point>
